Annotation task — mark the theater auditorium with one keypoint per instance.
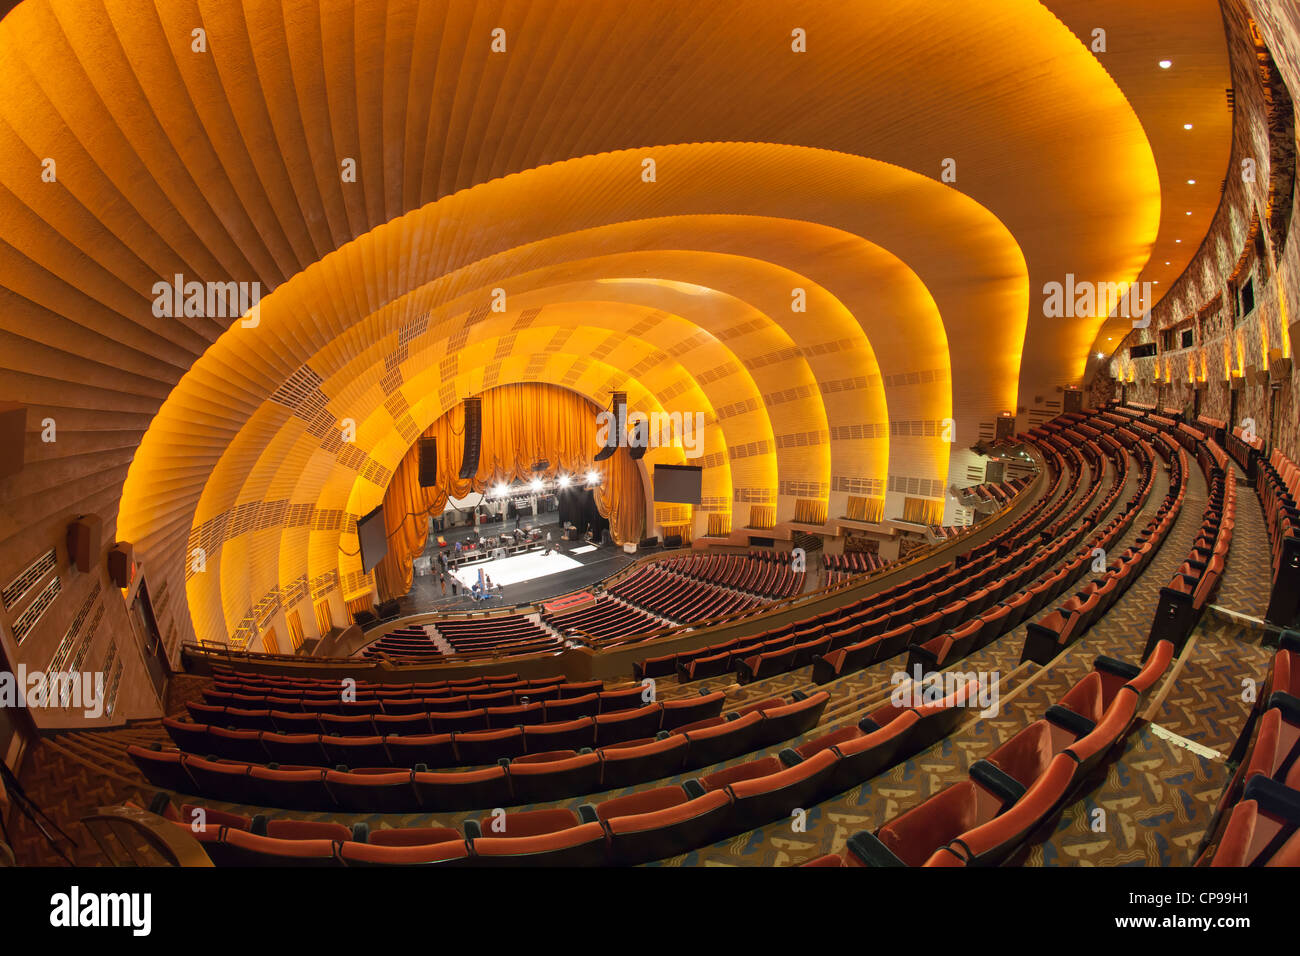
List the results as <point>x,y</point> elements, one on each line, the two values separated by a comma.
<point>665,433</point>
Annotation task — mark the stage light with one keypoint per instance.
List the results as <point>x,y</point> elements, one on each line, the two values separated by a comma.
<point>593,477</point>
<point>564,481</point>
<point>536,484</point>
<point>500,491</point>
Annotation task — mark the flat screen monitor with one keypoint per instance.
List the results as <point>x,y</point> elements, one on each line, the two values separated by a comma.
<point>373,538</point>
<point>678,484</point>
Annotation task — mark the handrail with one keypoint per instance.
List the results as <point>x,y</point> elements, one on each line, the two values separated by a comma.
<point>127,825</point>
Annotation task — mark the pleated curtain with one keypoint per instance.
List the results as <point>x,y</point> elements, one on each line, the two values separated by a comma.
<point>522,424</point>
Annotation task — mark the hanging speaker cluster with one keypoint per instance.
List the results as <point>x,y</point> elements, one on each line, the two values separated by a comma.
<point>428,453</point>
<point>618,408</point>
<point>473,437</point>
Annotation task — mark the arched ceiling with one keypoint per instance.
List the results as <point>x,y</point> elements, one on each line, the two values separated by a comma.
<point>522,170</point>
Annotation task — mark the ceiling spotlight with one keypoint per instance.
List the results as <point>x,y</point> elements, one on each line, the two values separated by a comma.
<point>1187,126</point>
<point>1166,262</point>
<point>1178,240</point>
<point>1189,212</point>
<point>1101,355</point>
<point>1166,64</point>
<point>1191,182</point>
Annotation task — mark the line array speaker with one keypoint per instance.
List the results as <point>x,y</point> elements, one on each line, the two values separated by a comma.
<point>428,462</point>
<point>473,437</point>
<point>618,407</point>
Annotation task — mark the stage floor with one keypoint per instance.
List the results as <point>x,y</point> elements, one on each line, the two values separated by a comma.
<point>513,570</point>
<point>581,565</point>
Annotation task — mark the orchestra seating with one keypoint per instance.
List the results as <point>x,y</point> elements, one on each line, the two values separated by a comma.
<point>659,775</point>
<point>604,617</point>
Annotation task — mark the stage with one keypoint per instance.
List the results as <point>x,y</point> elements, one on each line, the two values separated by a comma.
<point>525,578</point>
<point>518,568</point>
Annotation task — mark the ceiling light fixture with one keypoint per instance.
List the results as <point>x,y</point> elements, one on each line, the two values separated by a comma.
<point>1187,126</point>
<point>1166,64</point>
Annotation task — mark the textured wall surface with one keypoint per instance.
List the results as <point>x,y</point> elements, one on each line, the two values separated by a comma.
<point>1249,240</point>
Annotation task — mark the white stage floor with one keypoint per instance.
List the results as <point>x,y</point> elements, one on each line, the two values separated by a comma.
<point>521,567</point>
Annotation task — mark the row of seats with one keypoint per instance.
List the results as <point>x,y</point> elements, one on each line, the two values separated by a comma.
<point>768,574</point>
<point>548,775</point>
<point>452,706</point>
<point>364,722</point>
<point>440,749</point>
<point>826,633</point>
<point>636,828</point>
<point>679,598</point>
<point>990,601</point>
<point>331,685</point>
<point>985,819</point>
<point>1277,482</point>
<point>1046,638</point>
<point>1197,579</point>
<point>512,634</point>
<point>604,617</point>
<point>1049,572</point>
<point>1257,821</point>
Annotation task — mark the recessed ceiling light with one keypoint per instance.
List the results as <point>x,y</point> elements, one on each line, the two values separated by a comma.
<point>1178,240</point>
<point>1189,212</point>
<point>1191,182</point>
<point>1166,64</point>
<point>1187,126</point>
<point>1166,262</point>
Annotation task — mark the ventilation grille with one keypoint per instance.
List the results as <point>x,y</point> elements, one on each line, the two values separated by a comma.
<point>926,487</point>
<point>64,649</point>
<point>36,610</point>
<point>867,430</point>
<point>17,589</point>
<point>864,487</point>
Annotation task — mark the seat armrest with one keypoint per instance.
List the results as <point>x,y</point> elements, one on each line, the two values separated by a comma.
<point>790,757</point>
<point>1067,719</point>
<point>1273,798</point>
<point>1287,703</point>
<point>997,781</point>
<point>866,846</point>
<point>868,726</point>
<point>1113,665</point>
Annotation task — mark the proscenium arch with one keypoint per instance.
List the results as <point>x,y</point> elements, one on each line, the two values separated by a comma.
<point>337,278</point>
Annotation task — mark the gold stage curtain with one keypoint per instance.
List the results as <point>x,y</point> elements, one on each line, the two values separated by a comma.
<point>521,424</point>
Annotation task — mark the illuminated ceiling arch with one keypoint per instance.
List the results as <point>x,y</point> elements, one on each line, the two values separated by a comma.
<point>320,290</point>
<point>226,164</point>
